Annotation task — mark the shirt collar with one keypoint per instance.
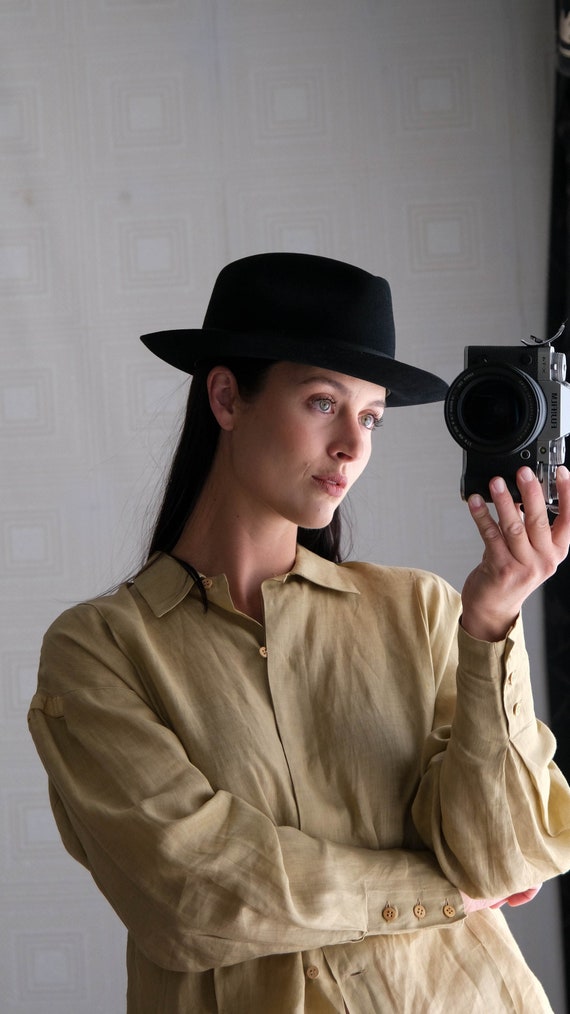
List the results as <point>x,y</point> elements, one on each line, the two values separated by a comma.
<point>320,571</point>
<point>164,583</point>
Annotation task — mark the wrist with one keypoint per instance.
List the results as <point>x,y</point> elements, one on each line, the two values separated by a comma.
<point>486,628</point>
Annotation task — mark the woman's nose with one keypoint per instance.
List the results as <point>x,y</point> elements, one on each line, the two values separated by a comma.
<point>348,443</point>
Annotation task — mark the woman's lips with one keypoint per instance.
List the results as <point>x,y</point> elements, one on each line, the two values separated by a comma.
<point>334,485</point>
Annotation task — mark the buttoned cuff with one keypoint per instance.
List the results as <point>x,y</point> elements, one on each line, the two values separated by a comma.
<point>407,910</point>
<point>494,692</point>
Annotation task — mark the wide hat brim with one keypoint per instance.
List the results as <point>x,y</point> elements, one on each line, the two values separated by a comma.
<point>306,309</point>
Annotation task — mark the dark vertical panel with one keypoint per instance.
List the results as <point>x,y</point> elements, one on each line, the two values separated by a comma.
<point>557,590</point>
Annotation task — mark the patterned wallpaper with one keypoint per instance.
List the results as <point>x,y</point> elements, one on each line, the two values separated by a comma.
<point>143,144</point>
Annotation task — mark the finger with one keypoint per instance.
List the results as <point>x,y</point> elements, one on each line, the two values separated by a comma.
<point>511,523</point>
<point>551,541</point>
<point>488,528</point>
<point>523,897</point>
<point>536,519</point>
<point>561,526</point>
<point>563,486</point>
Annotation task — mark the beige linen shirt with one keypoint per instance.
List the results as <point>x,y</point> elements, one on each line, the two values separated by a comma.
<point>279,812</point>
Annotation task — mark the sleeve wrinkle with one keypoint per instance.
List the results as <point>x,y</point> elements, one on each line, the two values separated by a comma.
<point>487,820</point>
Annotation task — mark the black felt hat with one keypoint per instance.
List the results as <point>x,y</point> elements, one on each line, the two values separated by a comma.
<point>305,309</point>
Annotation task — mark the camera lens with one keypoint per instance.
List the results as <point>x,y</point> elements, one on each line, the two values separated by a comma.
<point>490,411</point>
<point>495,409</point>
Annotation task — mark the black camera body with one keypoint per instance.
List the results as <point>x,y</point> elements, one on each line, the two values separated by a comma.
<point>510,407</point>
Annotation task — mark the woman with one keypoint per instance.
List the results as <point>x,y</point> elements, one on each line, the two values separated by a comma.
<point>305,786</point>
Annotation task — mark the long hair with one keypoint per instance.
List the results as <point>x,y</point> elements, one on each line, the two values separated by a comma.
<point>194,455</point>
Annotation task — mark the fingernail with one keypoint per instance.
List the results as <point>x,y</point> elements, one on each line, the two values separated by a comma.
<point>526,474</point>
<point>475,501</point>
<point>498,485</point>
<point>562,472</point>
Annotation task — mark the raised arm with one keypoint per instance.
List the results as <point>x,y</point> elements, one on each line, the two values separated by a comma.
<point>492,804</point>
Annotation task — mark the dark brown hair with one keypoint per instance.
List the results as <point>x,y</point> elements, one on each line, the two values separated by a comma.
<point>193,459</point>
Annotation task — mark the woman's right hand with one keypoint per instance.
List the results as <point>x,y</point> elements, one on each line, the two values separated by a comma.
<point>476,904</point>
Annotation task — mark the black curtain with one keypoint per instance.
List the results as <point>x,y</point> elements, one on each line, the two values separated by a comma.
<point>556,594</point>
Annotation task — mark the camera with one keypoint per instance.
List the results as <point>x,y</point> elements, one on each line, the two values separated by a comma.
<point>510,407</point>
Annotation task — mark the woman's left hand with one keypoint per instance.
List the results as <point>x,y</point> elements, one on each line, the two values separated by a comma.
<point>514,900</point>
<point>521,552</point>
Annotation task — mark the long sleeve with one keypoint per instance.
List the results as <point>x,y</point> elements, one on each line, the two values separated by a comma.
<point>200,876</point>
<point>492,804</point>
<point>242,793</point>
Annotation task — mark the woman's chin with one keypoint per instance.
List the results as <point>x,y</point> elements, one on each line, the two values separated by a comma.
<point>316,521</point>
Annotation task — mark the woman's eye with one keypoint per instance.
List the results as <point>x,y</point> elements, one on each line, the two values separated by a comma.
<point>371,421</point>
<point>324,404</point>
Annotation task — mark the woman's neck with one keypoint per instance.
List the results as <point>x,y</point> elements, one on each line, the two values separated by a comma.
<point>217,539</point>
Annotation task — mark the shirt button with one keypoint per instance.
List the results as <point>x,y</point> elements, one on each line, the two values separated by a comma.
<point>419,911</point>
<point>448,911</point>
<point>207,583</point>
<point>263,651</point>
<point>516,708</point>
<point>510,678</point>
<point>390,913</point>
<point>312,972</point>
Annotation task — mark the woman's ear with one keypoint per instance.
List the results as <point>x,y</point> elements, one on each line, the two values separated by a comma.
<point>224,396</point>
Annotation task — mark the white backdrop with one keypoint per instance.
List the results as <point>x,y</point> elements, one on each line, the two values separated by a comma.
<point>143,144</point>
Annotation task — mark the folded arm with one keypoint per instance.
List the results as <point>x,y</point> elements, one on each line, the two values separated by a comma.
<point>200,877</point>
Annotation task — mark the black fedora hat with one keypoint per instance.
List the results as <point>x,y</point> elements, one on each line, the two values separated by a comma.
<point>306,309</point>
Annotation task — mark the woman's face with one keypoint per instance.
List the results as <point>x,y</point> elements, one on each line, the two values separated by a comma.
<point>297,447</point>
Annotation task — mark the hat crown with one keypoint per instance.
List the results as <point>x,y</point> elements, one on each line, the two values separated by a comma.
<point>303,295</point>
